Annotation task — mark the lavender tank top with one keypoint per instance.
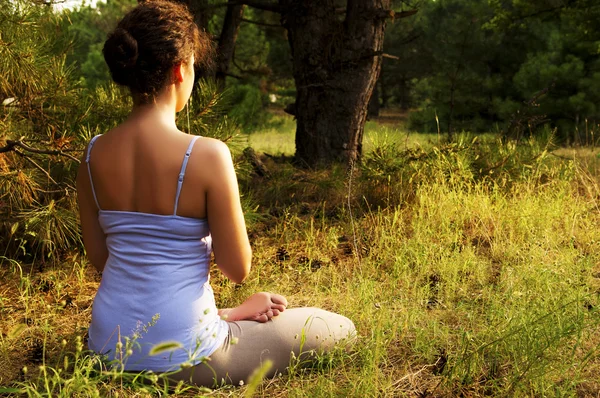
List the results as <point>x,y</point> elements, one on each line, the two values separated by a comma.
<point>155,288</point>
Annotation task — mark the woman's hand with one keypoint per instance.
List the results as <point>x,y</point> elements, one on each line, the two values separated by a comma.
<point>259,307</point>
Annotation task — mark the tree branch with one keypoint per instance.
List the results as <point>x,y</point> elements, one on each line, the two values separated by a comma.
<point>234,76</point>
<point>390,56</point>
<point>384,13</point>
<point>260,5</point>
<point>410,39</point>
<point>403,14</point>
<point>37,166</point>
<point>550,10</point>
<point>12,145</point>
<point>272,25</point>
<point>254,72</point>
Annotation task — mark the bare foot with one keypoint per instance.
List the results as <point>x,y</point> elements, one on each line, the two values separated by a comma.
<point>259,307</point>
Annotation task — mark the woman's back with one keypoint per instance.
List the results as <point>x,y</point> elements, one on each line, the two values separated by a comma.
<point>136,167</point>
<point>155,282</point>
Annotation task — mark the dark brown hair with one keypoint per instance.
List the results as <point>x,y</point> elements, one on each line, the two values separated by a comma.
<point>149,41</point>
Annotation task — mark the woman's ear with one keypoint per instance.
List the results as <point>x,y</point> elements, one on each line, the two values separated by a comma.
<point>178,73</point>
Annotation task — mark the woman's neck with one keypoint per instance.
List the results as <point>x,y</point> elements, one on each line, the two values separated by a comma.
<point>163,108</point>
<point>159,112</point>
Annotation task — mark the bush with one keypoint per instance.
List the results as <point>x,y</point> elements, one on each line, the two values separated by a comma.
<point>247,107</point>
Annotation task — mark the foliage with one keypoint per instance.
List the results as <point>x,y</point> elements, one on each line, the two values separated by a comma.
<point>47,118</point>
<point>249,109</point>
<point>39,109</point>
<point>464,65</point>
<point>477,64</point>
<point>88,26</point>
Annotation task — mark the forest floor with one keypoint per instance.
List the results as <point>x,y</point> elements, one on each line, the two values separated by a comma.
<point>470,269</point>
<point>392,117</point>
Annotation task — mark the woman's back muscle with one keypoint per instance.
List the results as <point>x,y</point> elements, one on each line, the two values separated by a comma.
<point>137,170</point>
<point>136,167</point>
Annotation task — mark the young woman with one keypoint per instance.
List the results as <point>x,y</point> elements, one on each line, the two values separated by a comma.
<point>154,203</point>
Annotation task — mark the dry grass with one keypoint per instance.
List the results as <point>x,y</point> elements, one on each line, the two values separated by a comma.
<point>474,284</point>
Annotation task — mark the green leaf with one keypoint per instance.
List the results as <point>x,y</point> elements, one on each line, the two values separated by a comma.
<point>10,390</point>
<point>17,330</point>
<point>257,376</point>
<point>13,228</point>
<point>165,347</point>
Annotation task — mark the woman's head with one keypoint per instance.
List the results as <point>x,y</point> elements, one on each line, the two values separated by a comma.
<point>148,42</point>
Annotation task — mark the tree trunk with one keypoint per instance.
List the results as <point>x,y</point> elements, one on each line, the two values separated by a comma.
<point>199,8</point>
<point>231,27</point>
<point>336,64</point>
<point>200,11</point>
<point>383,87</point>
<point>373,109</point>
<point>227,38</point>
<point>404,90</point>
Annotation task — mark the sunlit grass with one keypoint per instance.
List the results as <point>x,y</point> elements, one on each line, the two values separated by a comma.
<point>275,140</point>
<point>470,269</point>
<point>279,138</point>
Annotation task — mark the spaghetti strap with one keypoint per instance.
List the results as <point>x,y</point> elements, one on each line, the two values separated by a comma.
<point>87,161</point>
<point>182,172</point>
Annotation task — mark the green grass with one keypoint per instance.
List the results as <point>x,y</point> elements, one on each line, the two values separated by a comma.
<point>279,139</point>
<point>470,269</point>
<point>276,140</point>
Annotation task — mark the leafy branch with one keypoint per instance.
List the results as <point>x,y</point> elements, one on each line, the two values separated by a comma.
<point>12,145</point>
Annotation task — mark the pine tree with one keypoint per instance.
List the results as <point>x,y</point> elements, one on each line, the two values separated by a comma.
<point>37,148</point>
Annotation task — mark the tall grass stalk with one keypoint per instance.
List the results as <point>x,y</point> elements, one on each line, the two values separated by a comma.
<point>479,275</point>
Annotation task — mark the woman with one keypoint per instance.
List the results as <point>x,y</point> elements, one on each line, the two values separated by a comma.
<point>154,203</point>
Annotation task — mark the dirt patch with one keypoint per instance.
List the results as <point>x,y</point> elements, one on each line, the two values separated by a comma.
<point>392,117</point>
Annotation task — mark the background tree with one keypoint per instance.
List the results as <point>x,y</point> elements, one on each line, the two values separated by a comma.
<point>411,59</point>
<point>39,108</point>
<point>336,62</point>
<point>489,60</point>
<point>87,27</point>
<point>566,62</point>
<point>336,49</point>
<point>461,65</point>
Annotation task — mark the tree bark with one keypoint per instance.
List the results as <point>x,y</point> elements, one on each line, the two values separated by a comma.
<point>202,14</point>
<point>374,106</point>
<point>404,90</point>
<point>336,64</point>
<point>226,48</point>
<point>199,8</point>
<point>383,88</point>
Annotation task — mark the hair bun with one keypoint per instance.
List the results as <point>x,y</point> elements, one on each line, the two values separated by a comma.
<point>121,54</point>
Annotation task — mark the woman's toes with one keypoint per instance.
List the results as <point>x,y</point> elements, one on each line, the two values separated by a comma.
<point>262,318</point>
<point>278,299</point>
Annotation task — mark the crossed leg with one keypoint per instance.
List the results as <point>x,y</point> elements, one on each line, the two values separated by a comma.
<point>301,331</point>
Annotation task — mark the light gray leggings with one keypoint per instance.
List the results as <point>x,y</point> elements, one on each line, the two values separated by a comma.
<point>302,331</point>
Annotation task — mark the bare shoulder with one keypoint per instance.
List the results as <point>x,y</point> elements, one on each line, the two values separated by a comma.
<point>82,172</point>
<point>213,164</point>
<point>212,150</point>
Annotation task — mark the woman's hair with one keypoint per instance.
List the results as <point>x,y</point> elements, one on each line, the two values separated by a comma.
<point>149,41</point>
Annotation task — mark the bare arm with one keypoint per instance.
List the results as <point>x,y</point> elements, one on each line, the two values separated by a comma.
<point>94,239</point>
<point>225,216</point>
